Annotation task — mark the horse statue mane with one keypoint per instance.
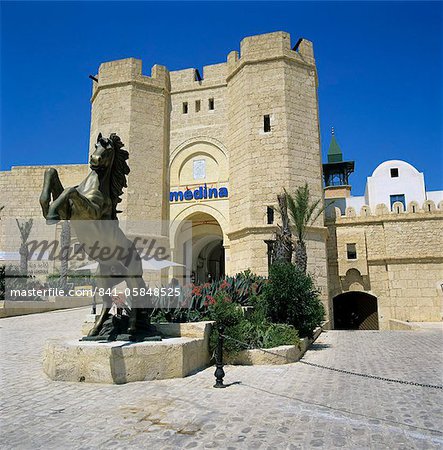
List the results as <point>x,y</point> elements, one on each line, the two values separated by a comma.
<point>119,171</point>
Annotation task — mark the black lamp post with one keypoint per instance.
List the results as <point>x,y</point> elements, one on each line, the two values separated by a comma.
<point>219,372</point>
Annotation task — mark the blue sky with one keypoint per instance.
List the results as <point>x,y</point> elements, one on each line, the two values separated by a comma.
<point>379,66</point>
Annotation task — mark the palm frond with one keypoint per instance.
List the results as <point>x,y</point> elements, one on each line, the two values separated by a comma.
<point>301,211</point>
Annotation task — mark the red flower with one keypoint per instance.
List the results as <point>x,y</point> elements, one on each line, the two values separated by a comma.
<point>227,299</point>
<point>197,290</point>
<point>224,284</point>
<point>211,299</point>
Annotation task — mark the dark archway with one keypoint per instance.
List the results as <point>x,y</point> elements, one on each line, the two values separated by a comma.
<point>355,310</point>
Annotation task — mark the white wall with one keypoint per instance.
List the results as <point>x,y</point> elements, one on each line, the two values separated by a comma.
<point>380,186</point>
<point>356,202</point>
<point>435,196</point>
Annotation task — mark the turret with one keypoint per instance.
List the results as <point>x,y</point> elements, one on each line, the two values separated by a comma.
<point>336,172</point>
<point>136,107</point>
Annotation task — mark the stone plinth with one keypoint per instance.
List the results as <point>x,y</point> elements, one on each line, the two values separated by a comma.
<point>122,362</point>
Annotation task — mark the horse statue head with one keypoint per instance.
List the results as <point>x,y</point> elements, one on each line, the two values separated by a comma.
<point>109,158</point>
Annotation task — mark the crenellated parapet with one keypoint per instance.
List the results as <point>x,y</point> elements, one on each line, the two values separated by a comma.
<point>124,72</point>
<point>270,47</point>
<point>413,211</point>
<point>192,79</point>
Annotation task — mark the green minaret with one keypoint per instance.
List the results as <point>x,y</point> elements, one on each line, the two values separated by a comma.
<point>334,152</point>
<point>336,171</point>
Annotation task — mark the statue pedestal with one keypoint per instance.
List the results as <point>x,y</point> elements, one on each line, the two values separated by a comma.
<point>122,362</point>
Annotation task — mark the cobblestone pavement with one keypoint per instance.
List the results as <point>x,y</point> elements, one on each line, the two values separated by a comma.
<point>290,406</point>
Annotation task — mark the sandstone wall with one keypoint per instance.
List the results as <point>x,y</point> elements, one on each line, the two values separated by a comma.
<point>399,260</point>
<point>20,190</point>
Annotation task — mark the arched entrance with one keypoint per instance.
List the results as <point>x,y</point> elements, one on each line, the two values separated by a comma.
<point>355,310</point>
<point>202,247</point>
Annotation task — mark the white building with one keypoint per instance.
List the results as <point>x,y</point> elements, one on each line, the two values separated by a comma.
<point>394,181</point>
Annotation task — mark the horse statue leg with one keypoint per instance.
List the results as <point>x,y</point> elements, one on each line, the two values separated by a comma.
<point>102,282</point>
<point>52,187</point>
<point>138,310</point>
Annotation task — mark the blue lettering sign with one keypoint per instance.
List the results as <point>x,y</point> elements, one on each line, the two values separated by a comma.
<point>201,193</point>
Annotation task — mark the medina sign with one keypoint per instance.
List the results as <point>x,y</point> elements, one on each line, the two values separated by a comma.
<point>201,193</point>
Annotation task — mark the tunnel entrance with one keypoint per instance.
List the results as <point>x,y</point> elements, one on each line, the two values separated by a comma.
<point>355,310</point>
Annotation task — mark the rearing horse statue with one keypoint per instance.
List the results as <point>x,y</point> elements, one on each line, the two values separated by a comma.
<point>92,209</point>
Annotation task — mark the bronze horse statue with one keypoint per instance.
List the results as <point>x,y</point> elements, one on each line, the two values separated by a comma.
<point>92,209</point>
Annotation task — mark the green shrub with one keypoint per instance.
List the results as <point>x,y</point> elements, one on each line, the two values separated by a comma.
<point>280,334</point>
<point>292,298</point>
<point>242,332</point>
<point>224,311</point>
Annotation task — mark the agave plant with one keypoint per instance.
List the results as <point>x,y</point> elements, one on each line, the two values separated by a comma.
<point>196,298</point>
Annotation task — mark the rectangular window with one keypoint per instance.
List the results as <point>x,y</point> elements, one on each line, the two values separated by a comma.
<point>270,215</point>
<point>267,123</point>
<point>197,105</point>
<point>351,250</point>
<point>394,172</point>
<point>211,104</point>
<point>185,107</point>
<point>398,198</point>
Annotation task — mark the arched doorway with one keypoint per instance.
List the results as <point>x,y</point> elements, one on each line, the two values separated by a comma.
<point>202,247</point>
<point>355,310</point>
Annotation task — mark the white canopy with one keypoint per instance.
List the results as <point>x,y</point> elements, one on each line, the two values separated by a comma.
<point>150,264</point>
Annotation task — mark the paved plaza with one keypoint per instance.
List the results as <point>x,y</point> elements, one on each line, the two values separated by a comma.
<point>290,406</point>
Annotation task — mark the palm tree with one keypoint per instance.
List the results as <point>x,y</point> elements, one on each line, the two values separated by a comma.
<point>303,213</point>
<point>25,230</point>
<point>65,244</point>
<point>282,246</point>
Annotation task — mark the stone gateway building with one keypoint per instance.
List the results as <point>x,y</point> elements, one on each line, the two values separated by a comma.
<point>210,152</point>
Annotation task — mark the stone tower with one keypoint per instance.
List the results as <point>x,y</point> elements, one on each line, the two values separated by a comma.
<point>273,141</point>
<point>137,108</point>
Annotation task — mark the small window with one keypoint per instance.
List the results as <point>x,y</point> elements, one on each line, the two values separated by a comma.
<point>185,107</point>
<point>351,250</point>
<point>394,172</point>
<point>270,215</point>
<point>197,105</point>
<point>398,198</point>
<point>211,104</point>
<point>267,123</point>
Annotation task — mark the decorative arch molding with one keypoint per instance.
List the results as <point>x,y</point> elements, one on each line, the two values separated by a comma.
<point>197,140</point>
<point>208,148</point>
<point>199,208</point>
<point>354,281</point>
